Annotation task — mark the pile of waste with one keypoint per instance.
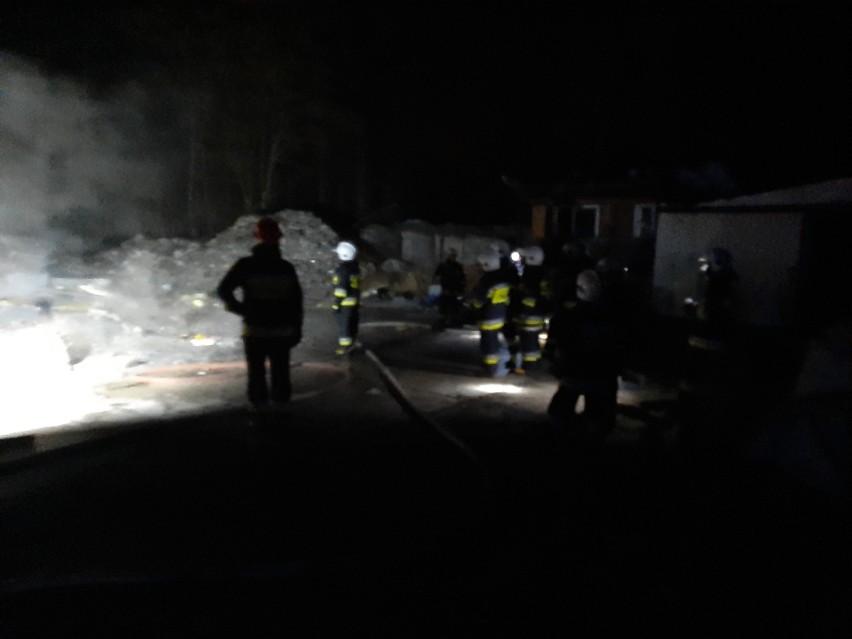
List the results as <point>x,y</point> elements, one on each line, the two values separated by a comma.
<point>84,321</point>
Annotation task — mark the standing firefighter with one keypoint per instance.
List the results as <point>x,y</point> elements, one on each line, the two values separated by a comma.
<point>585,348</point>
<point>491,302</point>
<point>711,386</point>
<point>532,296</point>
<point>572,259</point>
<point>347,296</point>
<point>272,312</point>
<point>450,275</point>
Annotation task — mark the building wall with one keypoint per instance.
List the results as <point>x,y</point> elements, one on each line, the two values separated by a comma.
<point>765,248</point>
<point>616,216</point>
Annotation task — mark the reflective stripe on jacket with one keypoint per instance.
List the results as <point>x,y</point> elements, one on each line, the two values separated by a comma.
<point>347,285</point>
<point>491,301</point>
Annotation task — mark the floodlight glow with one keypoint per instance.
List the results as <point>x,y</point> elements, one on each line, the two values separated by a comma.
<point>516,256</point>
<point>91,290</point>
<point>493,388</point>
<point>40,388</point>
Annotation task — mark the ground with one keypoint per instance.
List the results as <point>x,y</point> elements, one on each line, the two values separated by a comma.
<point>397,496</point>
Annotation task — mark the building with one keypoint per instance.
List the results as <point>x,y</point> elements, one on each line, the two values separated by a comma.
<point>595,213</point>
<point>790,249</point>
<point>615,219</point>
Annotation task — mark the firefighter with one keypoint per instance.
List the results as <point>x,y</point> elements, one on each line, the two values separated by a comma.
<point>585,349</point>
<point>622,299</point>
<point>531,302</point>
<point>711,387</point>
<point>490,301</point>
<point>272,311</point>
<point>511,267</point>
<point>719,286</point>
<point>346,280</point>
<point>572,259</point>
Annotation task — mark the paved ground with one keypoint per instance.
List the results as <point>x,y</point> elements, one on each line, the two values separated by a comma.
<point>459,512</point>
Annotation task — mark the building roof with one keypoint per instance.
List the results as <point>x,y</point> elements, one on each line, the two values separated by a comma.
<point>832,192</point>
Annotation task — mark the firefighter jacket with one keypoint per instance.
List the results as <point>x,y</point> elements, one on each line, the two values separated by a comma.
<point>490,300</point>
<point>347,285</point>
<point>271,304</point>
<point>585,343</point>
<point>531,299</point>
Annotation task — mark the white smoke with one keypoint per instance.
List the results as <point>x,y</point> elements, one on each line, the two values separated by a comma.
<point>73,158</point>
<point>75,169</point>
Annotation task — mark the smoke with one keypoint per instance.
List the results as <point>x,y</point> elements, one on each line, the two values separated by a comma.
<point>76,169</point>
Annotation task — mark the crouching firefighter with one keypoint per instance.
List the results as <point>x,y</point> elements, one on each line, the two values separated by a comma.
<point>346,280</point>
<point>490,301</point>
<point>531,308</point>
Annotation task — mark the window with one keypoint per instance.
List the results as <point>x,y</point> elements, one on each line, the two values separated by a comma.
<point>644,220</point>
<point>587,221</point>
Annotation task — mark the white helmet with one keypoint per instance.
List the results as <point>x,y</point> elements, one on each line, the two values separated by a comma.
<point>588,286</point>
<point>533,255</point>
<point>346,251</point>
<point>489,261</point>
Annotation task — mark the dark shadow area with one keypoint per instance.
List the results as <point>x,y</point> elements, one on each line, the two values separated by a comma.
<point>217,526</point>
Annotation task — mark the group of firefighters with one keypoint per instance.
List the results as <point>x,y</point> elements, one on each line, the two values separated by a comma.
<point>512,304</point>
<point>579,303</point>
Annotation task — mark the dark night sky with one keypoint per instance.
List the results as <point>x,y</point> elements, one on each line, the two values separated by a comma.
<point>460,93</point>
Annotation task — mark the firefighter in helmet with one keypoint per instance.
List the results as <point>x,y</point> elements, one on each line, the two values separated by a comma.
<point>490,301</point>
<point>531,308</point>
<point>271,306</point>
<point>585,347</point>
<point>346,281</point>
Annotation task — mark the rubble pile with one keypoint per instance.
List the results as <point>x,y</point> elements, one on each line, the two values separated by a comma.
<point>153,300</point>
<point>82,322</point>
<point>166,286</point>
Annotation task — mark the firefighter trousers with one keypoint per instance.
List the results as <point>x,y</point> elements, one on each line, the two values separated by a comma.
<point>277,351</point>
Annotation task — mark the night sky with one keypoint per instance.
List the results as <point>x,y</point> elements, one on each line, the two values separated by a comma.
<point>459,94</point>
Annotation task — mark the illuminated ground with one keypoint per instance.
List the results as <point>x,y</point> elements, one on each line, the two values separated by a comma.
<point>438,371</point>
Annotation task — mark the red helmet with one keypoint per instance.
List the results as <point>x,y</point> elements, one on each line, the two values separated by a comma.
<point>267,230</point>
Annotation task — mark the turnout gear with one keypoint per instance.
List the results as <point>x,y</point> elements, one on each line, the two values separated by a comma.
<point>720,259</point>
<point>272,310</point>
<point>491,302</point>
<point>570,262</point>
<point>720,281</point>
<point>530,309</point>
<point>346,280</point>
<point>585,347</point>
